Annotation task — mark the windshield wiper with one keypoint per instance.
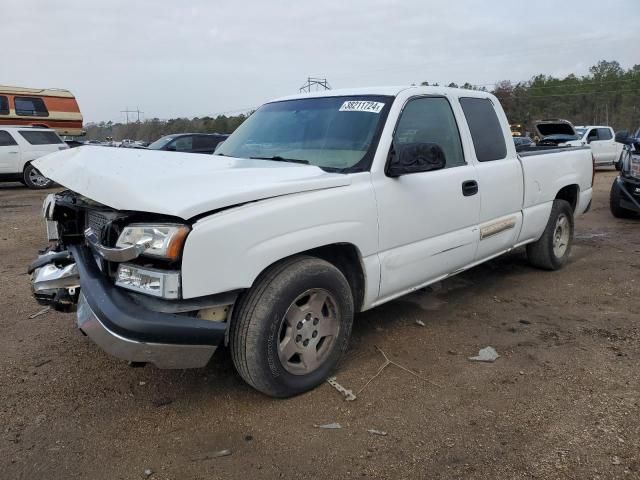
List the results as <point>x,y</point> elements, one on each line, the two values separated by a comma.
<point>278,158</point>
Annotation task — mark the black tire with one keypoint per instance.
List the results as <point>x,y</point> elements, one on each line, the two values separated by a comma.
<point>614,202</point>
<point>28,178</point>
<point>256,326</point>
<point>541,254</point>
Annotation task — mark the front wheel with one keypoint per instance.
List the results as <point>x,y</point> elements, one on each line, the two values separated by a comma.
<point>290,330</point>
<point>552,250</point>
<point>32,178</point>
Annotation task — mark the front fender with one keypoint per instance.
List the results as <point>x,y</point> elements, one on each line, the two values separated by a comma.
<point>228,250</point>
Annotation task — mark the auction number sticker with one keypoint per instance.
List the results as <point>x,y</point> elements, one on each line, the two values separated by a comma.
<point>361,106</point>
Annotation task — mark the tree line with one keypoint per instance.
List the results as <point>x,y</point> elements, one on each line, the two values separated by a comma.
<point>608,95</point>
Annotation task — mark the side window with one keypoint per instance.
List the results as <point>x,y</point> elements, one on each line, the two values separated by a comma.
<point>431,120</point>
<point>593,135</point>
<point>30,106</point>
<point>6,139</point>
<point>184,144</point>
<point>4,105</point>
<point>41,137</point>
<point>205,142</point>
<point>604,134</point>
<point>486,131</point>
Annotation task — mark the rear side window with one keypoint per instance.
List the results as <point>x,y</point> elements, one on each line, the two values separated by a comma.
<point>604,134</point>
<point>486,131</point>
<point>30,106</point>
<point>40,137</point>
<point>6,139</point>
<point>4,105</point>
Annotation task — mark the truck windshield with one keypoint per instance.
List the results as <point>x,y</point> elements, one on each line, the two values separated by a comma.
<point>580,131</point>
<point>161,143</point>
<point>334,133</point>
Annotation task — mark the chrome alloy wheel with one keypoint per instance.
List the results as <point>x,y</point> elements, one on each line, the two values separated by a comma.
<point>308,331</point>
<point>37,178</point>
<point>561,235</point>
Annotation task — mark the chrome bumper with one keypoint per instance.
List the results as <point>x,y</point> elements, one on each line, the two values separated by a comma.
<point>162,355</point>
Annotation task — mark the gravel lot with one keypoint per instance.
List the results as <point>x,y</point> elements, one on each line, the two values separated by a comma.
<point>562,401</point>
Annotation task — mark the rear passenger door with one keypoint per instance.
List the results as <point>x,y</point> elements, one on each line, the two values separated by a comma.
<point>500,180</point>
<point>10,159</point>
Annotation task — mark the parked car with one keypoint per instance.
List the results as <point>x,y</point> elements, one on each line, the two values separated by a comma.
<point>606,151</point>
<point>522,143</point>
<point>624,198</point>
<point>41,107</point>
<point>189,142</point>
<point>319,206</point>
<point>556,132</point>
<point>19,146</point>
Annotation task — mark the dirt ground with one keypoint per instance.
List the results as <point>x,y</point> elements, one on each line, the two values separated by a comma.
<point>562,401</point>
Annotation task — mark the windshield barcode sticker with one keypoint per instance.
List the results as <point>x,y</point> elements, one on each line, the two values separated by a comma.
<point>361,106</point>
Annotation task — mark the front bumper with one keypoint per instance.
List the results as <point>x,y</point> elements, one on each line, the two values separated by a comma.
<point>126,329</point>
<point>630,188</point>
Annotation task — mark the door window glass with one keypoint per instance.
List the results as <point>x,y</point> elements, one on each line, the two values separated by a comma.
<point>4,105</point>
<point>431,120</point>
<point>6,139</point>
<point>184,144</point>
<point>604,134</point>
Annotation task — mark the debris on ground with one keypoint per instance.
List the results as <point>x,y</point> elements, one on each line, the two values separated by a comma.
<point>420,322</point>
<point>346,393</point>
<point>148,472</point>
<point>42,362</point>
<point>387,362</point>
<point>377,432</point>
<point>329,426</point>
<point>616,461</point>
<point>525,322</point>
<point>41,312</point>
<point>209,456</point>
<point>486,354</point>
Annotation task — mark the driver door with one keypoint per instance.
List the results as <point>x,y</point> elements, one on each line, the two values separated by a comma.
<point>428,221</point>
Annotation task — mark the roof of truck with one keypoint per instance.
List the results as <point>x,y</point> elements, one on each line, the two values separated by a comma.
<point>385,91</point>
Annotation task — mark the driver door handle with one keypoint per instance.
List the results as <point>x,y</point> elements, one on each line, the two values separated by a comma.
<point>469,188</point>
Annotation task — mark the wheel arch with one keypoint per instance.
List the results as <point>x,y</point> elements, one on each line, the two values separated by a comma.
<point>569,193</point>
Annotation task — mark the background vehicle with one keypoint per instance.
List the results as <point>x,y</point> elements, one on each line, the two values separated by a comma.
<point>556,132</point>
<point>51,108</point>
<point>19,146</point>
<point>601,139</point>
<point>319,206</point>
<point>522,142</point>
<point>624,199</point>
<point>189,142</point>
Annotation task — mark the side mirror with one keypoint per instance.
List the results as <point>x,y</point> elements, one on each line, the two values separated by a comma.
<point>415,158</point>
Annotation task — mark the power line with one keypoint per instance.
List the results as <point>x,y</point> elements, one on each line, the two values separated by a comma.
<point>319,83</point>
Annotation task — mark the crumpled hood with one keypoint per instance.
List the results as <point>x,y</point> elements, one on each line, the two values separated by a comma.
<point>179,184</point>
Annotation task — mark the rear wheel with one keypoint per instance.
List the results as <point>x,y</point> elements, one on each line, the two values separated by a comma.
<point>614,202</point>
<point>32,178</point>
<point>552,250</point>
<point>291,328</point>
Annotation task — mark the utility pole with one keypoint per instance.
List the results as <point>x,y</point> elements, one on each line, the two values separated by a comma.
<point>318,83</point>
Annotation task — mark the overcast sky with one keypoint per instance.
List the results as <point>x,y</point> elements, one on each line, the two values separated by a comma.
<point>202,57</point>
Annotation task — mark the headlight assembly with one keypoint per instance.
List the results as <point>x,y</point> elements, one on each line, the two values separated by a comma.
<point>165,240</point>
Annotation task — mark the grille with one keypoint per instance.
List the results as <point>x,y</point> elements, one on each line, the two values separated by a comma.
<point>98,223</point>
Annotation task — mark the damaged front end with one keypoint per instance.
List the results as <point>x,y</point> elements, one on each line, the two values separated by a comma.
<point>122,270</point>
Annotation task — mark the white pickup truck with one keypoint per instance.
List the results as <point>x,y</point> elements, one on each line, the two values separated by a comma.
<point>318,207</point>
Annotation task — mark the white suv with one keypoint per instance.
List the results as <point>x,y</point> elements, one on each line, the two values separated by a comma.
<point>19,146</point>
